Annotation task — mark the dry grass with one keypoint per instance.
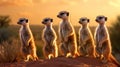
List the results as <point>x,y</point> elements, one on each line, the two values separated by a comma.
<point>9,51</point>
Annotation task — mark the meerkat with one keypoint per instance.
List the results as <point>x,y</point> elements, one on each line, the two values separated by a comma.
<point>102,39</point>
<point>28,48</point>
<point>86,41</point>
<point>68,46</point>
<point>49,37</point>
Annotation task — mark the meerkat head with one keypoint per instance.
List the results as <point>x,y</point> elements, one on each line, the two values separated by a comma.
<point>63,14</point>
<point>47,21</point>
<point>101,19</point>
<point>22,21</point>
<point>84,20</point>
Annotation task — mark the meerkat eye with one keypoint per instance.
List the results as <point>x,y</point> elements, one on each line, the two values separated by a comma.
<point>21,20</point>
<point>83,20</point>
<point>100,18</point>
<point>46,20</point>
<point>62,13</point>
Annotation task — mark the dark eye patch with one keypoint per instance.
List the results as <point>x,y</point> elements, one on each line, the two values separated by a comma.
<point>62,13</point>
<point>21,20</point>
<point>83,20</point>
<point>100,18</point>
<point>46,20</point>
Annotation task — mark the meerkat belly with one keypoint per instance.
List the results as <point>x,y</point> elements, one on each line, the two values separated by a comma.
<point>104,45</point>
<point>65,29</point>
<point>25,35</point>
<point>84,35</point>
<point>100,35</point>
<point>49,36</point>
<point>88,42</point>
<point>22,39</point>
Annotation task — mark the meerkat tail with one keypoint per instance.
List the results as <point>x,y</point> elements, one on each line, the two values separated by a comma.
<point>112,59</point>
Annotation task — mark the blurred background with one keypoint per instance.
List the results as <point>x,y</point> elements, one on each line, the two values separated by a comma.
<point>36,10</point>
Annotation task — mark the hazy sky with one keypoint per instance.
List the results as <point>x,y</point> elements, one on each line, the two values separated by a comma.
<point>36,10</point>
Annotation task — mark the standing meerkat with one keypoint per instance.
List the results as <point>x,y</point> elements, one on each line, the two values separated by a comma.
<point>49,37</point>
<point>103,44</point>
<point>86,41</point>
<point>67,35</point>
<point>28,48</point>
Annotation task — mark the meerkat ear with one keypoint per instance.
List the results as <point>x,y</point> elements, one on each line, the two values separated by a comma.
<point>67,13</point>
<point>51,20</point>
<point>105,18</point>
<point>88,20</point>
<point>26,20</point>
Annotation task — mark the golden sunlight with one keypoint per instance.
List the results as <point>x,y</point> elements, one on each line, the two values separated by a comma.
<point>36,10</point>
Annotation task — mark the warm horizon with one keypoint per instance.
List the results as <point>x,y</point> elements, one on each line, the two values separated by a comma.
<point>36,10</point>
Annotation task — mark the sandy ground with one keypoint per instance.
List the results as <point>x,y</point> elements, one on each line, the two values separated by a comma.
<point>61,62</point>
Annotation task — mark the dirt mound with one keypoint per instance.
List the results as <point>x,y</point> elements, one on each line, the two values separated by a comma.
<point>61,62</point>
